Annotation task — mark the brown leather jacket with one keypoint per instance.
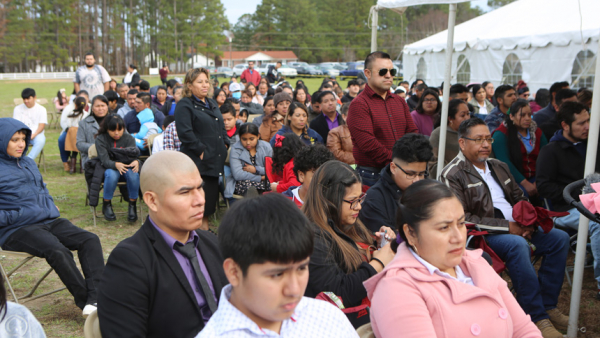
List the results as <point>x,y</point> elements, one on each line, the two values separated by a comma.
<point>474,193</point>
<point>340,144</point>
<point>268,129</point>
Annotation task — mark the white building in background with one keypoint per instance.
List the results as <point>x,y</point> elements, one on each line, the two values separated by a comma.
<point>539,41</point>
<point>200,60</point>
<point>230,59</point>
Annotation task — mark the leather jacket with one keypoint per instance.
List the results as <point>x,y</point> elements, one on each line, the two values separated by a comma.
<point>474,194</point>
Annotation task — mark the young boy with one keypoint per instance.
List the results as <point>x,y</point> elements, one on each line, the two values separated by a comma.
<point>231,126</point>
<point>308,160</point>
<point>268,275</point>
<point>158,143</point>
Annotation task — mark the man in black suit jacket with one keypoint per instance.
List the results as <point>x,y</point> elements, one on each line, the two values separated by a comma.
<point>320,124</point>
<point>148,288</point>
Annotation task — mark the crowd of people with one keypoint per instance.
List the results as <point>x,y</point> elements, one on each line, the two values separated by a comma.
<point>331,197</point>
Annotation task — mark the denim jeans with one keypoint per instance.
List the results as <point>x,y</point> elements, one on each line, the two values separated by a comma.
<point>112,177</point>
<point>37,145</point>
<point>54,242</point>
<point>572,221</point>
<point>368,175</point>
<point>64,155</point>
<point>535,293</point>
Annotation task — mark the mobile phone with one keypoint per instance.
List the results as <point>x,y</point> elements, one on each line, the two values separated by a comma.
<point>384,240</point>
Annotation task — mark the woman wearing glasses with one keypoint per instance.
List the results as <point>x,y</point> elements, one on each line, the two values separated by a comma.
<point>345,253</point>
<point>427,113</point>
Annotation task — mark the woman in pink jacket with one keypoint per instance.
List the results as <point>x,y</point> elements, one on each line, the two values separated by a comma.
<point>434,287</point>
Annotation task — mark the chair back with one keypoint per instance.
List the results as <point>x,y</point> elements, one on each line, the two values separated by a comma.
<point>151,141</point>
<point>92,153</point>
<point>91,329</point>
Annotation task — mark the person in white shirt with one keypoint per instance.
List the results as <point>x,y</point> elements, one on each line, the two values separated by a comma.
<point>268,275</point>
<point>35,117</point>
<point>70,117</point>
<point>158,143</point>
<point>92,78</point>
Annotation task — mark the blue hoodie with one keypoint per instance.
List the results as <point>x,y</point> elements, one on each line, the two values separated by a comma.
<point>24,199</point>
<point>148,127</point>
<point>581,147</point>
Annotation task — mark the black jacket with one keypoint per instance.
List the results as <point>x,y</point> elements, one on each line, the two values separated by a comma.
<point>413,102</point>
<point>201,131</point>
<point>347,98</point>
<point>319,124</point>
<point>144,292</point>
<point>166,108</point>
<point>558,165</point>
<point>132,123</point>
<point>326,275</point>
<point>381,203</point>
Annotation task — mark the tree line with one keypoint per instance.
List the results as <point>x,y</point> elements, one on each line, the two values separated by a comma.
<point>56,34</point>
<point>338,30</point>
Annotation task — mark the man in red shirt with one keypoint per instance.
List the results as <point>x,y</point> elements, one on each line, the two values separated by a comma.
<point>163,72</point>
<point>377,118</point>
<point>251,74</point>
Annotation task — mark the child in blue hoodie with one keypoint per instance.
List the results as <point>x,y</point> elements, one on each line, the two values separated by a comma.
<point>149,127</point>
<point>30,221</point>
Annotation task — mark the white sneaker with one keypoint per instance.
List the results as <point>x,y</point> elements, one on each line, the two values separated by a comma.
<point>88,309</point>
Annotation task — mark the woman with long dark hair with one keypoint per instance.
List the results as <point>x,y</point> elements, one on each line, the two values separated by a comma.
<point>427,113</point>
<point>345,253</point>
<point>69,120</point>
<point>61,100</point>
<point>119,167</point>
<point>517,142</point>
<point>296,121</point>
<point>434,287</point>
<point>458,111</point>
<point>480,103</point>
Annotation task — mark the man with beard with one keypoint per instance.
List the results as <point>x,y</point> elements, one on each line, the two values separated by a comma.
<point>488,193</point>
<point>377,118</point>
<point>505,96</point>
<point>92,78</point>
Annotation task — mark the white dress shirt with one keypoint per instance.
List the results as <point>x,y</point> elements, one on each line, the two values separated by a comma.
<point>498,198</point>
<point>312,318</point>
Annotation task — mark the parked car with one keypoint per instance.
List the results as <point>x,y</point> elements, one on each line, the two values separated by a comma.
<point>307,70</point>
<point>328,70</point>
<point>239,69</point>
<point>298,63</point>
<point>224,72</point>
<point>211,69</point>
<point>353,69</point>
<point>284,70</point>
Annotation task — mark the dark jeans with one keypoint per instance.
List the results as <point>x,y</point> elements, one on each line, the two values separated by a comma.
<point>164,81</point>
<point>536,293</point>
<point>65,155</point>
<point>369,175</point>
<point>54,242</point>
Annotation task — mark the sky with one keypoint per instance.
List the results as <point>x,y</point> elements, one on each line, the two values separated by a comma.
<point>236,8</point>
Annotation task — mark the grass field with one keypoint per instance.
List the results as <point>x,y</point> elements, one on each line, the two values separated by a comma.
<point>58,313</point>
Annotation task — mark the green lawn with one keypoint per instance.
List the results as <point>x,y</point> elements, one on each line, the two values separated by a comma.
<point>58,314</point>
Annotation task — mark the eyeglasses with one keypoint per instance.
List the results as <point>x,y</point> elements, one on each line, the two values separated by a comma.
<point>355,202</point>
<point>480,140</point>
<point>384,71</point>
<point>430,100</point>
<point>412,175</point>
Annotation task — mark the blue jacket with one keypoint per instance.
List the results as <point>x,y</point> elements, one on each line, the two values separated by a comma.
<point>24,199</point>
<point>240,155</point>
<point>314,137</point>
<point>494,119</point>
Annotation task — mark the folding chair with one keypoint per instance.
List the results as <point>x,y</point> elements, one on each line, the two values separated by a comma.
<point>91,328</point>
<point>25,257</point>
<point>41,162</point>
<point>92,153</point>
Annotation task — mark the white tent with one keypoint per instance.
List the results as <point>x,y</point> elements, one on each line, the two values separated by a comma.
<point>539,41</point>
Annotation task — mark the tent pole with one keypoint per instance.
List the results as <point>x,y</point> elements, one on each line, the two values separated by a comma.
<point>590,164</point>
<point>374,24</point>
<point>446,96</point>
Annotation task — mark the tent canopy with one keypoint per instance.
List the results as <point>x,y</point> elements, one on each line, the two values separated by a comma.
<point>400,5</point>
<point>523,24</point>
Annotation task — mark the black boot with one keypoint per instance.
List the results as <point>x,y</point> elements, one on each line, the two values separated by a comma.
<point>108,212</point>
<point>132,212</point>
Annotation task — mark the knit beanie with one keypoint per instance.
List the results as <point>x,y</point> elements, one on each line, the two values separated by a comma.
<point>280,97</point>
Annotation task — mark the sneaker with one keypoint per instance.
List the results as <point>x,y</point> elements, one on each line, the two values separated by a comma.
<point>547,329</point>
<point>560,321</point>
<point>88,309</point>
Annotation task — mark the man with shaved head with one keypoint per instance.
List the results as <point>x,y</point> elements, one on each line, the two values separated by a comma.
<point>165,280</point>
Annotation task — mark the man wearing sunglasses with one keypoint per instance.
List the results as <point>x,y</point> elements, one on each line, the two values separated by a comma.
<point>377,118</point>
<point>488,192</point>
<point>410,156</point>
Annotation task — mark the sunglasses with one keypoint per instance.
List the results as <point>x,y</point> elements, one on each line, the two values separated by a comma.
<point>384,71</point>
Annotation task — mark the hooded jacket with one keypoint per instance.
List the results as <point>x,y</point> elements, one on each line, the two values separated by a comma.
<point>560,163</point>
<point>24,199</point>
<point>240,155</point>
<point>381,202</point>
<point>435,306</point>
